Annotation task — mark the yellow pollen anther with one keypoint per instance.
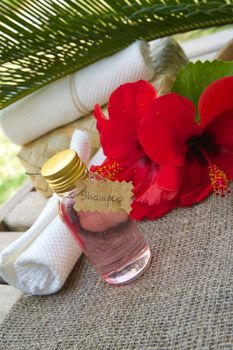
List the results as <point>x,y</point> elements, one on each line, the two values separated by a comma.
<point>219,180</point>
<point>108,171</point>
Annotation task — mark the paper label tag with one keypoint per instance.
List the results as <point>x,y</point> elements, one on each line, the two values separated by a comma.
<point>104,195</point>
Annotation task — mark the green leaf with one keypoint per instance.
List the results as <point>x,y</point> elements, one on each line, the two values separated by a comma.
<point>195,77</point>
<point>42,41</point>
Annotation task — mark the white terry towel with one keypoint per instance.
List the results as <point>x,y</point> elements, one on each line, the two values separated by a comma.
<point>69,98</point>
<point>39,262</point>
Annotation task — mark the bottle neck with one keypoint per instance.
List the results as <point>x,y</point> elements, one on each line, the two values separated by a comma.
<point>77,189</point>
<point>70,193</point>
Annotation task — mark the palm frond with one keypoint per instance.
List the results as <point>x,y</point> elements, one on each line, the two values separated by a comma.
<point>44,40</point>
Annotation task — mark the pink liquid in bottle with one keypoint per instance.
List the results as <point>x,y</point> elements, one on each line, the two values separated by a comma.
<point>111,241</point>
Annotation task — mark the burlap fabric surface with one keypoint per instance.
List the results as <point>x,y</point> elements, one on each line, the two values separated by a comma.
<point>183,301</point>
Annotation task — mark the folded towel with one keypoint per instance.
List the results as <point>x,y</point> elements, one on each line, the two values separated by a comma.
<point>39,262</point>
<point>34,154</point>
<point>69,98</point>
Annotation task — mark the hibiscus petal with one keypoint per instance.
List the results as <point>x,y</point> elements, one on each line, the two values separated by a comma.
<point>166,128</point>
<point>195,184</point>
<point>116,145</point>
<point>155,195</point>
<point>143,175</point>
<point>103,127</point>
<point>141,210</point>
<point>216,98</point>
<point>149,201</point>
<point>221,129</point>
<point>164,187</point>
<point>169,177</point>
<point>224,160</point>
<point>128,104</point>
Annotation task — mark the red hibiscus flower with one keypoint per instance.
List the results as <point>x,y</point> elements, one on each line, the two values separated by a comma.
<point>200,154</point>
<point>154,188</point>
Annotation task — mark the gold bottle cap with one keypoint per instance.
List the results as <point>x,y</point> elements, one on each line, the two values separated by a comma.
<point>63,170</point>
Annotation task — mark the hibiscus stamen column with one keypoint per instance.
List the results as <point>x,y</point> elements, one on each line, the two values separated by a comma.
<point>218,178</point>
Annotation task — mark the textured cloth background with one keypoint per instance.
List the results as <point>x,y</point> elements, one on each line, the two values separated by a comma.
<point>184,301</point>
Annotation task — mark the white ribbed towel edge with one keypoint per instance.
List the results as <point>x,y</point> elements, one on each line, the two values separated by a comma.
<point>69,98</point>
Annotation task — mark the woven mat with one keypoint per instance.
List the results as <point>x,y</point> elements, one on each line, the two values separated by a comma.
<point>184,301</point>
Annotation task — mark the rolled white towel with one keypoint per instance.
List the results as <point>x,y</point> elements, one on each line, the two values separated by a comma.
<point>69,98</point>
<point>81,144</point>
<point>98,158</point>
<point>39,261</point>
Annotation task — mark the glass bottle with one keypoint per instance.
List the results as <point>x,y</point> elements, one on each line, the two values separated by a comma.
<point>110,240</point>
